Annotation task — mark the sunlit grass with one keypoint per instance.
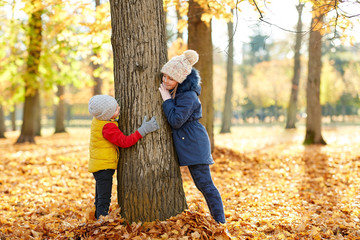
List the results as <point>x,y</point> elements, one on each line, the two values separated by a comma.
<point>249,138</point>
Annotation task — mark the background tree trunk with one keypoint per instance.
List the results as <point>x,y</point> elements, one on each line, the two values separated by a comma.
<point>2,122</point>
<point>149,179</point>
<point>98,81</point>
<point>38,116</point>
<point>14,52</point>
<point>292,108</point>
<point>60,111</point>
<point>199,39</point>
<point>31,84</point>
<point>313,107</point>
<point>13,118</point>
<point>227,112</point>
<point>29,119</point>
<point>179,17</point>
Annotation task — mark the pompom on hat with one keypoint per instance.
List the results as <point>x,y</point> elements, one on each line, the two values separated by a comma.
<point>102,107</point>
<point>179,67</point>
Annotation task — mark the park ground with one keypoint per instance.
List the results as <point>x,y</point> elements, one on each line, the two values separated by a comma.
<point>272,186</point>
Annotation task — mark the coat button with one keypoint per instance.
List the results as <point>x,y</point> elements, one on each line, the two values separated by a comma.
<point>182,138</point>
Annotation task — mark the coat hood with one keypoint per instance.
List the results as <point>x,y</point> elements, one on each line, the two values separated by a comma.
<point>191,83</point>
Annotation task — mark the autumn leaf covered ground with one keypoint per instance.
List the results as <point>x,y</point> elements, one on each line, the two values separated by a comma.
<point>272,186</point>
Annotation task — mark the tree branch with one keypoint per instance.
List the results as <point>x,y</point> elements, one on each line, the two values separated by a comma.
<point>261,18</point>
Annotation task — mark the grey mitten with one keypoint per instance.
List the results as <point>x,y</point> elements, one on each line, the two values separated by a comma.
<point>148,126</point>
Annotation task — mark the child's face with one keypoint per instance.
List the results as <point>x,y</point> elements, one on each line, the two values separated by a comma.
<point>117,112</point>
<point>169,82</point>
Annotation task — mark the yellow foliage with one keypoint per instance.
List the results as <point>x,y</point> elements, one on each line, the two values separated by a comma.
<point>206,17</point>
<point>181,25</point>
<point>325,30</point>
<point>33,6</point>
<point>267,83</point>
<point>184,9</point>
<point>332,10</point>
<point>166,3</point>
<point>331,84</point>
<point>177,48</point>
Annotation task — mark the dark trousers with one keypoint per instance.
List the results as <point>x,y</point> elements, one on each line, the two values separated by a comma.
<point>103,188</point>
<point>202,179</point>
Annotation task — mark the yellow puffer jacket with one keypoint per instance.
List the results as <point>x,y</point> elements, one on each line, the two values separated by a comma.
<point>103,154</point>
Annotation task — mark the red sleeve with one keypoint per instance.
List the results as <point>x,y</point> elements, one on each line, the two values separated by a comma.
<point>113,134</point>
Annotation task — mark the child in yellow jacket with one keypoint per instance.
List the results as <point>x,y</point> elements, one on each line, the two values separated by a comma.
<point>105,139</point>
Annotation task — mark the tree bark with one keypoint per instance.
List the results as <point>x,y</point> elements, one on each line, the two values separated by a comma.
<point>199,39</point>
<point>149,179</point>
<point>14,52</point>
<point>2,122</point>
<point>292,108</point>
<point>30,77</point>
<point>13,118</point>
<point>313,107</point>
<point>29,119</point>
<point>38,117</point>
<point>60,111</point>
<point>98,81</point>
<point>227,112</point>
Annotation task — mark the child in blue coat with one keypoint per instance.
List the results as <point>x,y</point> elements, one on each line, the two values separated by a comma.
<point>180,90</point>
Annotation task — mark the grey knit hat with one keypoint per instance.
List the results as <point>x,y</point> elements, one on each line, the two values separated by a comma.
<point>179,67</point>
<point>102,107</point>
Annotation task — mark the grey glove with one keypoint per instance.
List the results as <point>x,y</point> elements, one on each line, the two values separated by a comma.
<point>148,126</point>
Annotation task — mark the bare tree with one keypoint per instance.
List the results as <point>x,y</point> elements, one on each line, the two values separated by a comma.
<point>292,108</point>
<point>227,112</point>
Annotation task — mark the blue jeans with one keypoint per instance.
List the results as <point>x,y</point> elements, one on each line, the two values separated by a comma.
<point>202,179</point>
<point>103,189</point>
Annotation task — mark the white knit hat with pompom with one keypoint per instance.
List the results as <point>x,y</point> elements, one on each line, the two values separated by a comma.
<point>102,107</point>
<point>179,67</point>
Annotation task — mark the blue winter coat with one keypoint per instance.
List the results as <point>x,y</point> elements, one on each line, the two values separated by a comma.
<point>191,140</point>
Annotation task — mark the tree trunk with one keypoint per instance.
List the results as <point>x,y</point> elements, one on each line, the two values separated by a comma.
<point>29,119</point>
<point>149,179</point>
<point>292,108</point>
<point>2,122</point>
<point>178,16</point>
<point>227,113</point>
<point>60,111</point>
<point>98,81</point>
<point>13,118</point>
<point>331,112</point>
<point>14,52</point>
<point>30,78</point>
<point>199,39</point>
<point>313,107</point>
<point>343,102</point>
<point>38,117</point>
